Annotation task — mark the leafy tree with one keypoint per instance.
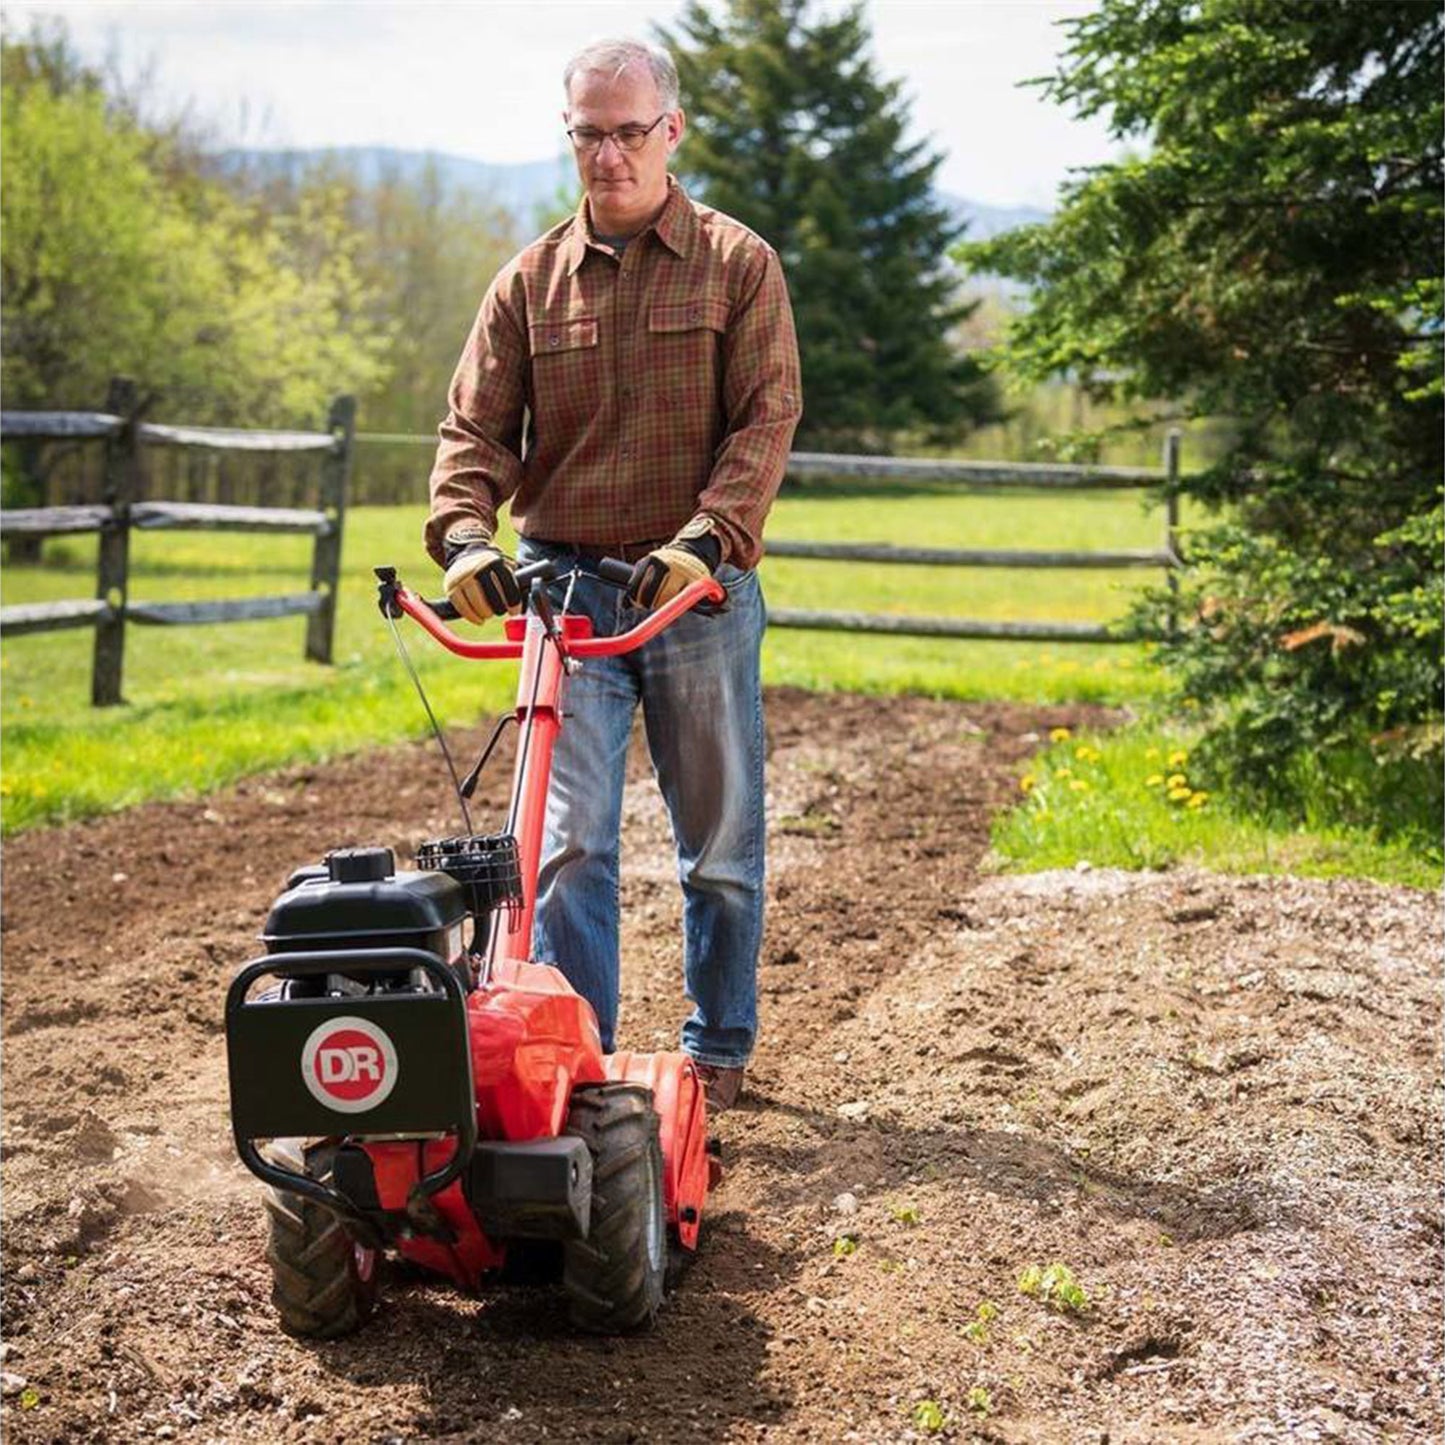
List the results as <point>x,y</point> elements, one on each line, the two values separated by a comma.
<point>1273,257</point>
<point>423,253</point>
<point>115,260</point>
<point>795,134</point>
<point>428,255</point>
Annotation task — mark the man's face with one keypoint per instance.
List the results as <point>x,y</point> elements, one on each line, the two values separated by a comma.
<point>625,189</point>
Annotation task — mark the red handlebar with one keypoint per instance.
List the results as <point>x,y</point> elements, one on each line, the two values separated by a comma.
<point>707,590</point>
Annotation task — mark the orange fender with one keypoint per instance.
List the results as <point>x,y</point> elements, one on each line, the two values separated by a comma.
<point>681,1106</point>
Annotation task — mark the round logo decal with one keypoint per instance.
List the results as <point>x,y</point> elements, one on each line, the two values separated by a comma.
<point>349,1065</point>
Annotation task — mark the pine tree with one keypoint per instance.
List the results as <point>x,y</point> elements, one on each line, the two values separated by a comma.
<point>793,132</point>
<point>1273,261</point>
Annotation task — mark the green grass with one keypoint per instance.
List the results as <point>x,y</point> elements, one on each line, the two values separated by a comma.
<point>210,704</point>
<point>1128,800</point>
<point>940,517</point>
<point>206,705</point>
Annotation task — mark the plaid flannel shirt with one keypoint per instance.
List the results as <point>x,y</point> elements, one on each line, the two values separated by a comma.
<point>611,399</point>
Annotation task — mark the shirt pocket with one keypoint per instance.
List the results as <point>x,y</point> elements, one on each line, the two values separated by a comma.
<point>552,338</point>
<point>684,348</point>
<point>706,313</point>
<point>566,380</point>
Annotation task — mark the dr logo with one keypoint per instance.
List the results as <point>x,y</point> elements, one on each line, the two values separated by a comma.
<point>349,1065</point>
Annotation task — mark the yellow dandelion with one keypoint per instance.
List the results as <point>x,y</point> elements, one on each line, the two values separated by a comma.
<point>1063,772</point>
<point>1151,754</point>
<point>1078,785</point>
<point>1178,795</point>
<point>1154,780</point>
<point>1198,800</point>
<point>1178,780</point>
<point>1178,758</point>
<point>1059,735</point>
<point>1026,783</point>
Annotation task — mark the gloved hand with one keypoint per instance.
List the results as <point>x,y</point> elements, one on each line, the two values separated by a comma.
<point>692,556</point>
<point>480,582</point>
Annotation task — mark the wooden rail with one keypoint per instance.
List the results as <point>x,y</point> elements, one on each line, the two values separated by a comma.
<point>112,608</point>
<point>976,474</point>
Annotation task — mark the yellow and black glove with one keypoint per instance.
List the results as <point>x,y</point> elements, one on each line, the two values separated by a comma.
<point>480,581</point>
<point>692,556</point>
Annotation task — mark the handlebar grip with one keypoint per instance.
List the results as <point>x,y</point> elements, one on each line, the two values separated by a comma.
<point>544,571</point>
<point>615,571</point>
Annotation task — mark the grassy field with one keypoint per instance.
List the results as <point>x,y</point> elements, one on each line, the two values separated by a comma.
<point>1132,799</point>
<point>208,704</point>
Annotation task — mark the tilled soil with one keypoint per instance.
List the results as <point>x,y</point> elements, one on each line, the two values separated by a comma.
<point>1214,1099</point>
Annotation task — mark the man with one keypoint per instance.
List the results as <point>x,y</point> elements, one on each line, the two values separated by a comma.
<point>631,385</point>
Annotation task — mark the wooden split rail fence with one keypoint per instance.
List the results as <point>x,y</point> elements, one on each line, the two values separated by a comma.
<point>981,476</point>
<point>112,607</point>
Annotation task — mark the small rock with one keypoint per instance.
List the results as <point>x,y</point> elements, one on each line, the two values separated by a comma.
<point>1083,866</point>
<point>846,1204</point>
<point>119,877</point>
<point>841,1057</point>
<point>165,1432</point>
<point>511,1413</point>
<point>26,1274</point>
<point>11,1383</point>
<point>858,1109</point>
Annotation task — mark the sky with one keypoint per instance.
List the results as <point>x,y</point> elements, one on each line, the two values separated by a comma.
<point>481,78</point>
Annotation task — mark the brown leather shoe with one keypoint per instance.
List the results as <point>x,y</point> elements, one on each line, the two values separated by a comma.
<point>722,1086</point>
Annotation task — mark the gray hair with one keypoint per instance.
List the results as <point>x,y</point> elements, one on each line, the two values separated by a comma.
<point>612,57</point>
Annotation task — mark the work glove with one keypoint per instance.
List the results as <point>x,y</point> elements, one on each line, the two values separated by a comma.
<point>480,582</point>
<point>692,556</point>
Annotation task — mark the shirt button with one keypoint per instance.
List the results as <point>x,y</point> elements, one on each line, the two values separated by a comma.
<point>554,340</point>
<point>694,313</point>
<point>626,452</point>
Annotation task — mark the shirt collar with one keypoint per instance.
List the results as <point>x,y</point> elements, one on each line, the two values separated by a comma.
<point>676,228</point>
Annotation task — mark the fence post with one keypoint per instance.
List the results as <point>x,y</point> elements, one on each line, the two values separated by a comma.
<point>326,558</point>
<point>112,577</point>
<point>1171,523</point>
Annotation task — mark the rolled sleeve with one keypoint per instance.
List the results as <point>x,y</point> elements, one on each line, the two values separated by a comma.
<point>478,463</point>
<point>763,402</point>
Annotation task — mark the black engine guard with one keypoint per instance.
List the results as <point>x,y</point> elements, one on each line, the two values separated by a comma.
<point>268,1041</point>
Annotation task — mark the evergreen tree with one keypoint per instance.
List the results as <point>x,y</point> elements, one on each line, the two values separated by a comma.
<point>792,131</point>
<point>1273,259</point>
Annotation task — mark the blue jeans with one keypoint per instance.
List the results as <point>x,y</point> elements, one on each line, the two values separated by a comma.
<point>701,694</point>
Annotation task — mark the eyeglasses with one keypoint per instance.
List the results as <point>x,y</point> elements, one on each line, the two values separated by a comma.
<point>588,138</point>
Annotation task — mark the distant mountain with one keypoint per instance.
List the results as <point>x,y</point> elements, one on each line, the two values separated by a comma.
<point>985,222</point>
<point>523,189</point>
<point>529,187</point>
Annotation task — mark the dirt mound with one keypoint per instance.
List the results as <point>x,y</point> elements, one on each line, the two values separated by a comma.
<point>1213,1100</point>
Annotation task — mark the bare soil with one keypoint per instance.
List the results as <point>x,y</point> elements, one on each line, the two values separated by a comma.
<point>1216,1100</point>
